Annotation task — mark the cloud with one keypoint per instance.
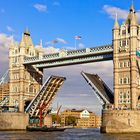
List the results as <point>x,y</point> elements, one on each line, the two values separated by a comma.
<point>5,41</point>
<point>50,50</point>
<point>121,13</point>
<point>56,3</point>
<point>69,47</point>
<point>40,7</point>
<point>111,11</point>
<point>57,40</point>
<point>61,40</point>
<point>10,29</point>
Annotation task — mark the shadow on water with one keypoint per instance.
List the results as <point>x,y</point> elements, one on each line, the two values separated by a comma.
<point>69,134</point>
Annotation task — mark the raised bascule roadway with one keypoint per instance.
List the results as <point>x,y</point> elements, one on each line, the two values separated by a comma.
<point>121,110</point>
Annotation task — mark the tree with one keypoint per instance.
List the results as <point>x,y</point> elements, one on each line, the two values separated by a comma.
<point>70,120</point>
<point>56,118</point>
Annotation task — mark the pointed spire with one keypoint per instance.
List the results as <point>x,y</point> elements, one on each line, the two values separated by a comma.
<point>22,43</point>
<point>131,18</point>
<point>134,20</point>
<point>12,41</point>
<point>12,44</point>
<point>26,32</point>
<point>116,24</point>
<point>132,9</point>
<point>41,46</point>
<point>41,43</point>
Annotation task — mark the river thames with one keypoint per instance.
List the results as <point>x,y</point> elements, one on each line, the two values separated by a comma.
<point>69,134</point>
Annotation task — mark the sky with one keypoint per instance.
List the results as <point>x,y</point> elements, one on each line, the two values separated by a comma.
<point>62,20</point>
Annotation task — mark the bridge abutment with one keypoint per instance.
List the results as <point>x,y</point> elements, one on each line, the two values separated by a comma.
<point>120,121</point>
<point>13,121</point>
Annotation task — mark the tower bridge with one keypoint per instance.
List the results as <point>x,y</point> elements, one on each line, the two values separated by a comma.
<point>26,64</point>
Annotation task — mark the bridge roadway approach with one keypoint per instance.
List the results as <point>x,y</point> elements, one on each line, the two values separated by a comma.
<point>64,58</point>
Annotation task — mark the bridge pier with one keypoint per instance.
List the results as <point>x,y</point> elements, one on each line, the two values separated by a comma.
<point>120,121</point>
<point>13,121</point>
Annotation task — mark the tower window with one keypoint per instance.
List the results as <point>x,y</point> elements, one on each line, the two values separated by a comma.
<point>125,80</point>
<point>124,43</point>
<point>128,81</point>
<point>15,51</point>
<point>123,32</point>
<point>128,64</point>
<point>125,64</point>
<point>120,65</point>
<point>124,96</point>
<point>120,81</point>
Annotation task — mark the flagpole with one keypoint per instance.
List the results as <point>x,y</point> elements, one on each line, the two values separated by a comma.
<point>76,38</point>
<point>75,44</point>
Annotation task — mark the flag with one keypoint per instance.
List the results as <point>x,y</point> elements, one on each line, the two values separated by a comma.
<point>137,53</point>
<point>54,41</point>
<point>78,37</point>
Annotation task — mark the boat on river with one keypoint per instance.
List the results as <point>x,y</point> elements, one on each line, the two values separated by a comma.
<point>45,129</point>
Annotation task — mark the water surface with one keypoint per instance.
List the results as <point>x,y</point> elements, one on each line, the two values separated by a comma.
<point>69,134</point>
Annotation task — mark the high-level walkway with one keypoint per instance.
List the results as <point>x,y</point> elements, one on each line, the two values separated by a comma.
<point>64,57</point>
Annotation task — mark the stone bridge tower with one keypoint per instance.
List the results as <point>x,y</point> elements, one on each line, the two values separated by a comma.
<point>124,116</point>
<point>24,82</point>
<point>126,71</point>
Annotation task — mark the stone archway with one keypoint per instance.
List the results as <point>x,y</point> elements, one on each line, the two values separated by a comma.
<point>26,104</point>
<point>138,102</point>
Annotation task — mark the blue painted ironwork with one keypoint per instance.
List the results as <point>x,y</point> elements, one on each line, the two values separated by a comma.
<point>65,57</point>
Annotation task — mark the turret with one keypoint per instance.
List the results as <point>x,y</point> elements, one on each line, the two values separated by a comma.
<point>26,40</point>
<point>40,50</point>
<point>116,28</point>
<point>116,24</point>
<point>131,18</point>
<point>134,20</point>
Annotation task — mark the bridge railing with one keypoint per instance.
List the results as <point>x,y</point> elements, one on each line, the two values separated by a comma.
<point>26,59</point>
<point>65,53</point>
<point>55,55</point>
<point>75,52</point>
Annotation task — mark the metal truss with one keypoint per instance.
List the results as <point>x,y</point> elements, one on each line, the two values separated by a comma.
<point>41,102</point>
<point>2,80</point>
<point>5,101</point>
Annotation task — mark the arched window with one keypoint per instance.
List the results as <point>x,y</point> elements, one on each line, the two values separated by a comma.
<point>15,51</point>
<point>120,80</point>
<point>120,64</point>
<point>123,43</point>
<point>124,32</point>
<point>125,64</point>
<point>124,95</point>
<point>128,80</point>
<point>128,64</point>
<point>31,89</point>
<point>125,80</point>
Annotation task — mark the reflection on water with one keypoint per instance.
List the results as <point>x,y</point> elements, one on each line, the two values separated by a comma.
<point>69,134</point>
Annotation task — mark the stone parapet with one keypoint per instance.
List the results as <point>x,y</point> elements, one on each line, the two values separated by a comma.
<point>120,121</point>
